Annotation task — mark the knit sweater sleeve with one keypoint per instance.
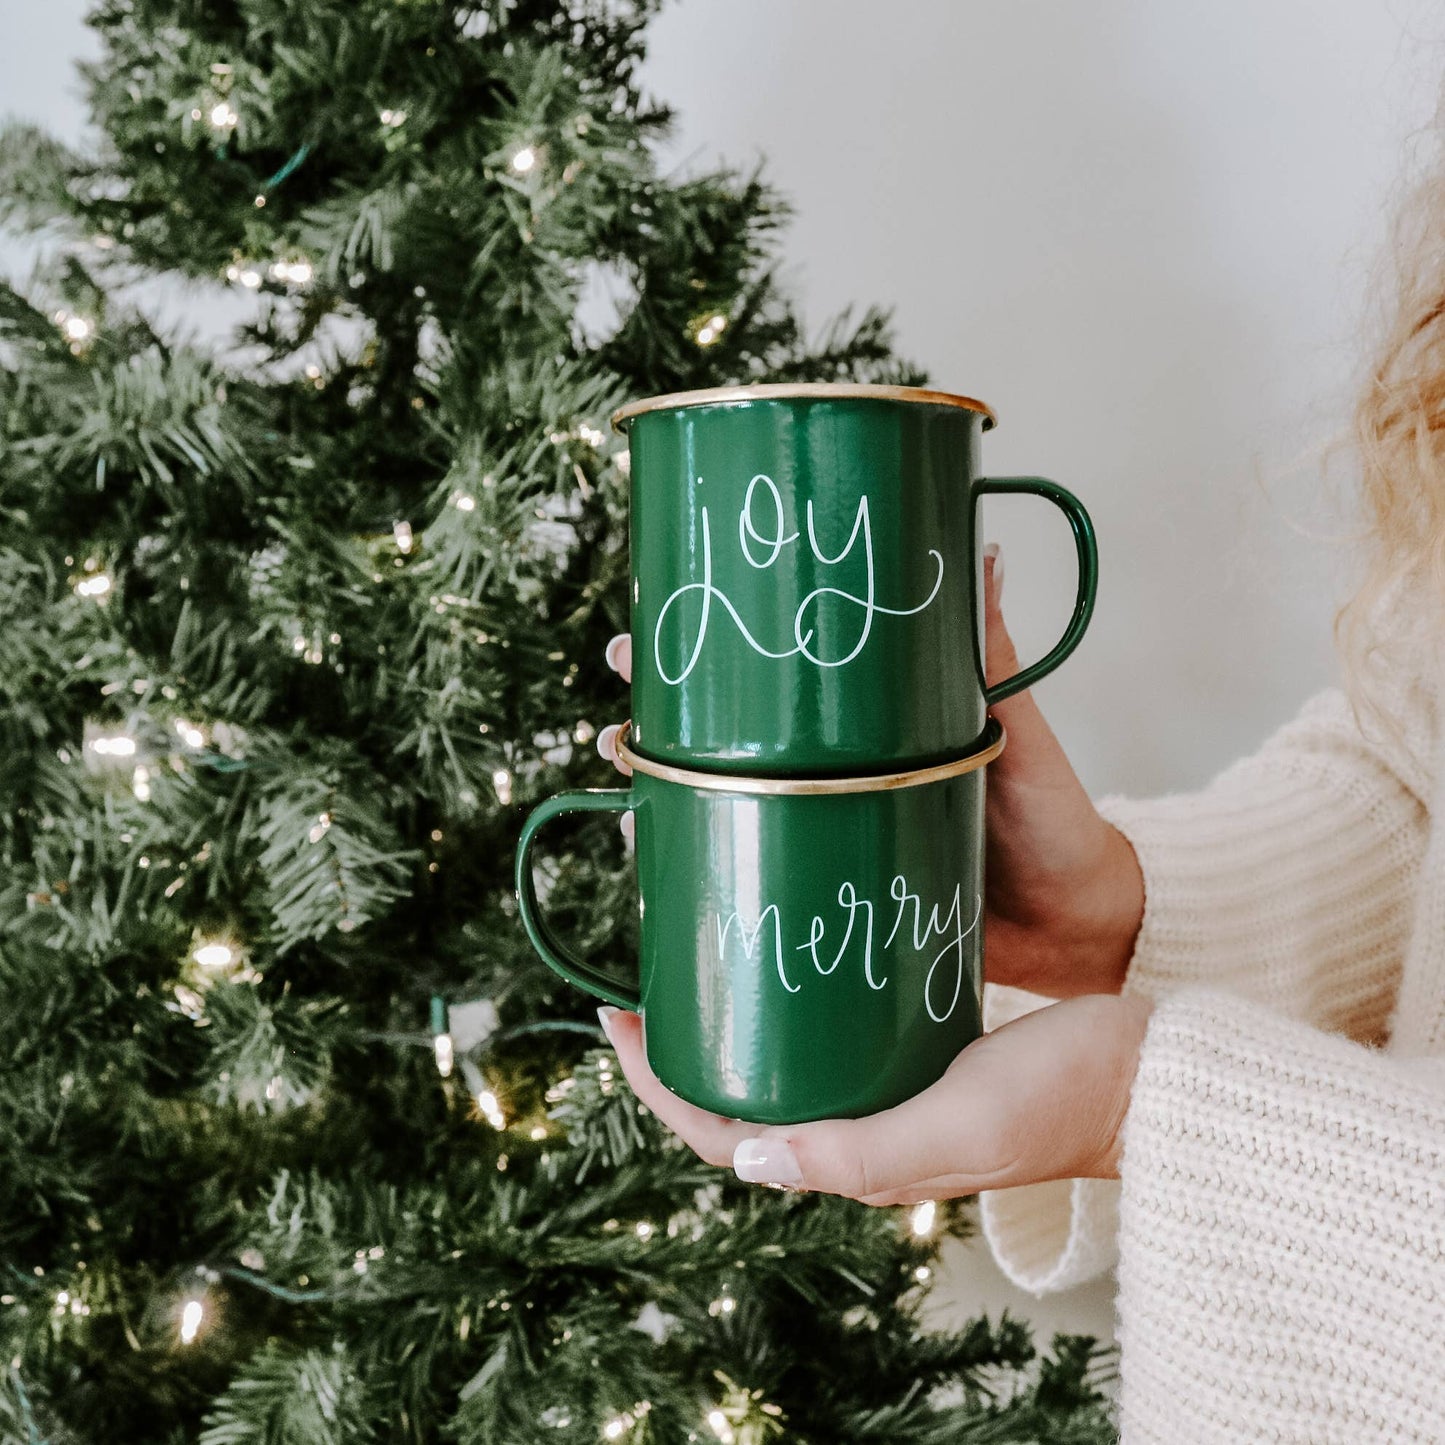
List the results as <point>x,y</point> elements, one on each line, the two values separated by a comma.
<point>1281,1233</point>
<point>1287,881</point>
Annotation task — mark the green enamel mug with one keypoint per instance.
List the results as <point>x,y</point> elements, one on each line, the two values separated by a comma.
<point>807,578</point>
<point>810,948</point>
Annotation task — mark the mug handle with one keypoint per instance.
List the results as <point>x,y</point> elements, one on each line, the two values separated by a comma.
<point>555,954</point>
<point>1088,554</point>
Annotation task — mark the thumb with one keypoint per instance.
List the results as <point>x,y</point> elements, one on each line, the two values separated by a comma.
<point>1029,735</point>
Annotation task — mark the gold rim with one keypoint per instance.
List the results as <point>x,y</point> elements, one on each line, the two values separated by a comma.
<point>821,390</point>
<point>994,736</point>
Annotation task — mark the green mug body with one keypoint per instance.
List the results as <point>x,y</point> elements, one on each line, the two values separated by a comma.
<point>807,579</point>
<point>803,955</point>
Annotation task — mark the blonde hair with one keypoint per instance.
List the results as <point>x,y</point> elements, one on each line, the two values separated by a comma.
<point>1399,433</point>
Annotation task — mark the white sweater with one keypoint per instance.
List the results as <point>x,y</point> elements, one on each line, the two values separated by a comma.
<point>1279,1227</point>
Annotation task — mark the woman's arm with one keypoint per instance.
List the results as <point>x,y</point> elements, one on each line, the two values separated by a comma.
<point>1289,879</point>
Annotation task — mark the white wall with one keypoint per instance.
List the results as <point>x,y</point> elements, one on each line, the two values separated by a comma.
<point>1142,231</point>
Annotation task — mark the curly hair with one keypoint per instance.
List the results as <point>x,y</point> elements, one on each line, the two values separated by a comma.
<point>1399,430</point>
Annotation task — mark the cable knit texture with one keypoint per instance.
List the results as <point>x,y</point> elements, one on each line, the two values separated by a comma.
<point>1279,1226</point>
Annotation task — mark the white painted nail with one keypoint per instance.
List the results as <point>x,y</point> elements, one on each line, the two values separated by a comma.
<point>766,1161</point>
<point>616,648</point>
<point>628,824</point>
<point>604,1017</point>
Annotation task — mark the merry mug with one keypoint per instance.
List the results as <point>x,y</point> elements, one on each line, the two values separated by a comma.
<point>807,581</point>
<point>810,949</point>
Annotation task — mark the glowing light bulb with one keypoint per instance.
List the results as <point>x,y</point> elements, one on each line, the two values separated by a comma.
<point>402,534</point>
<point>524,160</point>
<point>97,586</point>
<point>140,783</point>
<point>445,1052</point>
<point>250,278</point>
<point>923,1218</point>
<point>923,1274</point>
<point>116,745</point>
<point>464,502</point>
<point>613,1429</point>
<point>502,782</point>
<point>213,955</point>
<point>77,328</point>
<point>223,117</point>
<point>718,1423</point>
<point>191,1317</point>
<point>190,734</point>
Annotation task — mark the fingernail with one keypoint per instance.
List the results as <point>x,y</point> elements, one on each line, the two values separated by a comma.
<point>995,552</point>
<point>628,824</point>
<point>613,651</point>
<point>607,741</point>
<point>604,1017</point>
<point>766,1161</point>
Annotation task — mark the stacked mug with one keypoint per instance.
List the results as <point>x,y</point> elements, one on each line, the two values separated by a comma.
<point>808,739</point>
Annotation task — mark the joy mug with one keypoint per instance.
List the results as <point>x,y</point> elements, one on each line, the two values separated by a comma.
<point>807,579</point>
<point>810,949</point>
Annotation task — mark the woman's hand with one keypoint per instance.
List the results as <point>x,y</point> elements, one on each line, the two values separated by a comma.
<point>1063,893</point>
<point>1041,1098</point>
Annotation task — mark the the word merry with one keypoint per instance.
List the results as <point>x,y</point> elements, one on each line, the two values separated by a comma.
<point>763,540</point>
<point>946,970</point>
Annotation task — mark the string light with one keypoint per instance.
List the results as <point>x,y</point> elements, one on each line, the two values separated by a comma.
<point>192,1314</point>
<point>189,733</point>
<point>402,534</point>
<point>502,782</point>
<point>140,783</point>
<point>299,273</point>
<point>464,501</point>
<point>115,745</point>
<point>718,1423</point>
<point>213,955</point>
<point>245,273</point>
<point>723,1305</point>
<point>491,1109</point>
<point>223,116</point>
<point>79,331</point>
<point>923,1274</point>
<point>392,118</point>
<point>97,586</point>
<point>442,1046</point>
<point>524,160</point>
<point>923,1218</point>
<point>319,827</point>
<point>712,329</point>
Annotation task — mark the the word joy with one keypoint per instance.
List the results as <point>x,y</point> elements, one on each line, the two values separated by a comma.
<point>764,538</point>
<point>950,964</point>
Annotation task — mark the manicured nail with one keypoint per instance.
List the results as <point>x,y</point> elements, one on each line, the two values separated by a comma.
<point>628,824</point>
<point>604,1017</point>
<point>994,551</point>
<point>618,648</point>
<point>607,741</point>
<point>766,1161</point>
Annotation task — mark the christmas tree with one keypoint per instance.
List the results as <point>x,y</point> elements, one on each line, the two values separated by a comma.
<point>299,1143</point>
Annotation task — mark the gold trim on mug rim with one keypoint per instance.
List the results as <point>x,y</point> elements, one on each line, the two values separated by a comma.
<point>817,390</point>
<point>994,735</point>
